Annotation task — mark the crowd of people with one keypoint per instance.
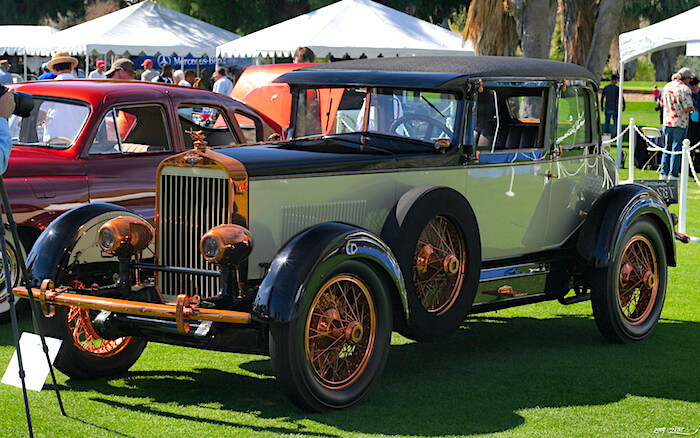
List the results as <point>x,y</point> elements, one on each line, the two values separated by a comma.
<point>679,104</point>
<point>63,66</point>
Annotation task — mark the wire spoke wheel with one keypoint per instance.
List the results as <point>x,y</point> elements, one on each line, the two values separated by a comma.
<point>627,296</point>
<point>638,279</point>
<point>340,331</point>
<point>85,337</point>
<point>439,266</point>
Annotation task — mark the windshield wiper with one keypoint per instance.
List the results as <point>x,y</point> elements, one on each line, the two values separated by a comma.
<point>432,106</point>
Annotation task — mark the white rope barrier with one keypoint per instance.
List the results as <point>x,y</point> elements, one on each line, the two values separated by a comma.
<point>653,147</point>
<point>620,135</point>
<point>572,130</point>
<point>686,167</point>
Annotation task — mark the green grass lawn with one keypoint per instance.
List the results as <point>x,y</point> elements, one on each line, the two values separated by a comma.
<point>643,114</point>
<point>637,85</point>
<point>540,370</point>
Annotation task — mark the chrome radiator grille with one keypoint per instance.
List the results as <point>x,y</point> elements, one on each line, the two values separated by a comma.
<point>189,205</point>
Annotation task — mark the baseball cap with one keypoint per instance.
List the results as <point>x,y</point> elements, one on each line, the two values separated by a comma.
<point>685,73</point>
<point>147,63</point>
<point>120,64</point>
<point>100,63</point>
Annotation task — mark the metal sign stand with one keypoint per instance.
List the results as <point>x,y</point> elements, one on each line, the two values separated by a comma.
<point>32,301</point>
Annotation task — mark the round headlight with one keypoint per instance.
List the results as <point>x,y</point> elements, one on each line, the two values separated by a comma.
<point>210,248</point>
<point>125,235</point>
<point>226,244</point>
<point>106,239</point>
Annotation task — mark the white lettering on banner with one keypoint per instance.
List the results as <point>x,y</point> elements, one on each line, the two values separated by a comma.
<point>177,61</point>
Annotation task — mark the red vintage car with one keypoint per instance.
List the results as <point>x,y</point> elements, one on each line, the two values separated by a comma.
<point>102,141</point>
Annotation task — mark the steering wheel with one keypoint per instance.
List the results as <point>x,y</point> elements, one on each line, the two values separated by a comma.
<point>68,140</point>
<point>432,125</point>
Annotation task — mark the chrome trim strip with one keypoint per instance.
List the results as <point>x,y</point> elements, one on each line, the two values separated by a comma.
<point>515,271</point>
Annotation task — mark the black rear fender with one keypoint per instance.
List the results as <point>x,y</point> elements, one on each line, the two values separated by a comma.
<point>302,262</point>
<point>613,212</point>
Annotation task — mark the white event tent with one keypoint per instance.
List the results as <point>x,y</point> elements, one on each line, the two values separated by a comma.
<point>678,30</point>
<point>352,27</point>
<point>14,40</point>
<point>144,28</point>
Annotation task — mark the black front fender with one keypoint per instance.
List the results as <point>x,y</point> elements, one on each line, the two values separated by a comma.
<point>311,253</point>
<point>55,248</point>
<point>610,216</point>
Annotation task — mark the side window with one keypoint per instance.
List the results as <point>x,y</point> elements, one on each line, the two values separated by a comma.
<point>510,118</point>
<point>211,120</point>
<point>135,129</point>
<point>573,118</point>
<point>249,127</point>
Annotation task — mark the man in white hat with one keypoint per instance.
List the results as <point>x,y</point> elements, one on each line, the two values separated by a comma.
<point>62,64</point>
<point>677,102</point>
<point>62,120</point>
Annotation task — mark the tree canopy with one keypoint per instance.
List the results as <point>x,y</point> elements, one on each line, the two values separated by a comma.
<point>240,16</point>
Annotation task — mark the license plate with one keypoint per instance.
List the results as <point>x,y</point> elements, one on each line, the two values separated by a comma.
<point>668,190</point>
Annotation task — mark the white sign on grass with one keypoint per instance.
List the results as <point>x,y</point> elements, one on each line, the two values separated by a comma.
<point>34,360</point>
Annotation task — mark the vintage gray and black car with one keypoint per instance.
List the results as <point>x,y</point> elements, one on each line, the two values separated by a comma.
<point>407,195</point>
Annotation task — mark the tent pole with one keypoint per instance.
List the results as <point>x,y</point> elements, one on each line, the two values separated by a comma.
<point>24,58</point>
<point>620,97</point>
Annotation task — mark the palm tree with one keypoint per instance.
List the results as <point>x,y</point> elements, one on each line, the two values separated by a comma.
<point>491,28</point>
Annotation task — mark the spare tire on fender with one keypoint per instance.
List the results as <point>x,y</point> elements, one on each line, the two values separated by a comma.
<point>434,235</point>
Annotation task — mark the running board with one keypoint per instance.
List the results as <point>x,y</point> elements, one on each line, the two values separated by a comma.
<point>181,311</point>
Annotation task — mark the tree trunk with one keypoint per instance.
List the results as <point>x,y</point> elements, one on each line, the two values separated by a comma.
<point>490,28</point>
<point>614,62</point>
<point>665,62</point>
<point>578,20</point>
<point>534,20</point>
<point>609,12</point>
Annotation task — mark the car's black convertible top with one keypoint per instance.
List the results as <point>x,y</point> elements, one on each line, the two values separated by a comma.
<point>432,71</point>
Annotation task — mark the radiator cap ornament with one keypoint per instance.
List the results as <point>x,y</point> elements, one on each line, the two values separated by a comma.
<point>200,142</point>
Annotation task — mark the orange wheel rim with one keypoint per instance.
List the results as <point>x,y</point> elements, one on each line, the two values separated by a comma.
<point>340,331</point>
<point>85,337</point>
<point>439,265</point>
<point>637,280</point>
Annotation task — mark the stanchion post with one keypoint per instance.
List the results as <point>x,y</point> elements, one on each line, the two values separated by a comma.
<point>620,97</point>
<point>630,152</point>
<point>683,195</point>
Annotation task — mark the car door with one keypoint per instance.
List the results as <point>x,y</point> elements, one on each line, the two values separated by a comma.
<point>124,155</point>
<point>508,175</point>
<point>579,175</point>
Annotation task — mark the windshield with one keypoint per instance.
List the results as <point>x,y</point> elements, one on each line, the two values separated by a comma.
<point>51,124</point>
<point>416,114</point>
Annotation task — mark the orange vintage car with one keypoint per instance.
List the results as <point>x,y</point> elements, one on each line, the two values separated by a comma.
<point>255,88</point>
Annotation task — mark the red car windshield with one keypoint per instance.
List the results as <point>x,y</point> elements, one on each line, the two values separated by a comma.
<point>53,124</point>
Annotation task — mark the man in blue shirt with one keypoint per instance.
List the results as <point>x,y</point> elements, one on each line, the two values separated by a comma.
<point>47,74</point>
<point>5,76</point>
<point>7,106</point>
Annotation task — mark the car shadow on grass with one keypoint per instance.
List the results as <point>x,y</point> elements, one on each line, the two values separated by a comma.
<point>473,382</point>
